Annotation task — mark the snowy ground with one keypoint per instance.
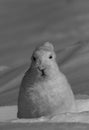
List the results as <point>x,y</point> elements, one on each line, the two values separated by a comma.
<point>9,114</point>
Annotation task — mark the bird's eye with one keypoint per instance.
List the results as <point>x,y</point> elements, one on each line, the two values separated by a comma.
<point>34,58</point>
<point>50,57</point>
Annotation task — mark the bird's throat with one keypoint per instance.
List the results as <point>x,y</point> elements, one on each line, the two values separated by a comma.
<point>42,72</point>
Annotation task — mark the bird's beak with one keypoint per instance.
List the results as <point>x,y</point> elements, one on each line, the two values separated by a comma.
<point>42,70</point>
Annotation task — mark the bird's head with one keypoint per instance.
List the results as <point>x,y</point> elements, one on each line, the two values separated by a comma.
<point>44,57</point>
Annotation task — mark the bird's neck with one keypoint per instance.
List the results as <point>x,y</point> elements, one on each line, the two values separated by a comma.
<point>53,71</point>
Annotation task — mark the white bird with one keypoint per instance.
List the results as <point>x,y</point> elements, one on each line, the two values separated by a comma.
<point>44,90</point>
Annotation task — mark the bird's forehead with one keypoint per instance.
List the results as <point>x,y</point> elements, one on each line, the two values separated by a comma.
<point>42,52</point>
<point>46,46</point>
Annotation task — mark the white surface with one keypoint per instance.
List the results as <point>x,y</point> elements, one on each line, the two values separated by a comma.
<point>9,113</point>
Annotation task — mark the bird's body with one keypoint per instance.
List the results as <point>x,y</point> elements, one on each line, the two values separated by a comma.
<point>44,90</point>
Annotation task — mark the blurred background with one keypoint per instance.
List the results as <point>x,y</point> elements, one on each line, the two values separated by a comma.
<point>26,23</point>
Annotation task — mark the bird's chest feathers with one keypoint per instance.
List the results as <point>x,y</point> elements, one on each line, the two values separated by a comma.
<point>48,91</point>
